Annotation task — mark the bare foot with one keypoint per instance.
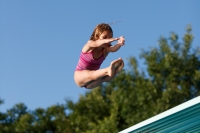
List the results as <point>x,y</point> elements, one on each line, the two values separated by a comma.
<point>114,64</point>
<point>119,68</point>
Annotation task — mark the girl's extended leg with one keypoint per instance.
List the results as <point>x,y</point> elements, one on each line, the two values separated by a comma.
<point>109,71</point>
<point>98,82</point>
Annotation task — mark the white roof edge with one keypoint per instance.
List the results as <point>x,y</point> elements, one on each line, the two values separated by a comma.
<point>171,111</point>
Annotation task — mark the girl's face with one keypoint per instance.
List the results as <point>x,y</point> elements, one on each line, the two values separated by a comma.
<point>105,35</point>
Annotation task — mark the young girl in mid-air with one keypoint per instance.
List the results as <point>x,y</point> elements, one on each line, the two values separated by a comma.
<point>87,73</point>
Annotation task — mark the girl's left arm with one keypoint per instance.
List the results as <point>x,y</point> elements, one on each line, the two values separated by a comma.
<point>117,46</point>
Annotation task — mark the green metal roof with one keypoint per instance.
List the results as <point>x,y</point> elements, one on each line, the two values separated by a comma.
<point>184,118</point>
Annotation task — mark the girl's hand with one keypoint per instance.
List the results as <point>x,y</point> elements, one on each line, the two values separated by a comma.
<point>121,40</point>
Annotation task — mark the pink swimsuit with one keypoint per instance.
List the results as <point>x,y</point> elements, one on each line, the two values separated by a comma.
<point>87,62</point>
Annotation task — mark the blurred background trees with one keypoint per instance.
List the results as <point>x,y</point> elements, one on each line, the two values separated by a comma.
<point>172,77</point>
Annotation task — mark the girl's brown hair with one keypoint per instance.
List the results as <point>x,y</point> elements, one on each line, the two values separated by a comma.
<point>99,29</point>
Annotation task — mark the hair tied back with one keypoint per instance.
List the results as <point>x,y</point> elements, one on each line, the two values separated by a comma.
<point>115,21</point>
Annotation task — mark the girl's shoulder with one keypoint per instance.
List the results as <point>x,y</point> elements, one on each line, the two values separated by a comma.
<point>86,48</point>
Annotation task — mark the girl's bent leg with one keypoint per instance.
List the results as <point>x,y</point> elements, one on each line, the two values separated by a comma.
<point>82,78</point>
<point>109,71</point>
<point>98,82</point>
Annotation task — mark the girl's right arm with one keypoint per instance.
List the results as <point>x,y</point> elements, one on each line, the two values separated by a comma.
<point>100,42</point>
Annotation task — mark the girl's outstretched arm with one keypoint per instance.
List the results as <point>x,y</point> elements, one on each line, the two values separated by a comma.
<point>100,42</point>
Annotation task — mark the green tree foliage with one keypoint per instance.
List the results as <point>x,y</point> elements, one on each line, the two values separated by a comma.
<point>171,78</point>
<point>19,120</point>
